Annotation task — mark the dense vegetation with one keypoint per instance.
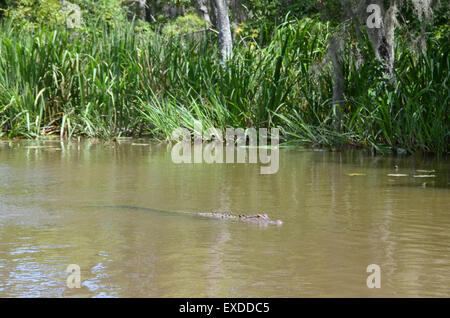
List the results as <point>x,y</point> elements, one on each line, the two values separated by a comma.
<point>118,75</point>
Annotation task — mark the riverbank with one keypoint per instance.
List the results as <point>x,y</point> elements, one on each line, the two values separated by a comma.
<point>119,82</point>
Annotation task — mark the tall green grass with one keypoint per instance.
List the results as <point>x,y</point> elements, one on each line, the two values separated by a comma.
<point>116,81</point>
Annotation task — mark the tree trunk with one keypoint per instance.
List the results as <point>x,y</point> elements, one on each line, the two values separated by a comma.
<point>237,9</point>
<point>141,8</point>
<point>152,10</point>
<point>223,24</point>
<point>335,52</point>
<point>389,25</point>
<point>383,38</point>
<point>73,12</point>
<point>169,10</point>
<point>203,10</point>
<point>213,16</point>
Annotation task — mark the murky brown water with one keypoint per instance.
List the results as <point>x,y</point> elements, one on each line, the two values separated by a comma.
<point>336,224</point>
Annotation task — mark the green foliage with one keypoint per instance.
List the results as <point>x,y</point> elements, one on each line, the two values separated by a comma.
<point>100,12</point>
<point>117,77</point>
<point>185,24</point>
<point>409,112</point>
<point>32,13</point>
<point>274,11</point>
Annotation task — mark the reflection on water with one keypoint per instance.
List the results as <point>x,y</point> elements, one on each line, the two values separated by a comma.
<point>341,212</point>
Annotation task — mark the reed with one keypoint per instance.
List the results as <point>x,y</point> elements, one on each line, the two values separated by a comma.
<point>116,81</point>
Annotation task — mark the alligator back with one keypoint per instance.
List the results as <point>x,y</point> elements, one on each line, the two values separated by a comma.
<point>259,219</point>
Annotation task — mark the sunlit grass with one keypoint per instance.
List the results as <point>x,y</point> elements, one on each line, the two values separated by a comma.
<point>115,82</point>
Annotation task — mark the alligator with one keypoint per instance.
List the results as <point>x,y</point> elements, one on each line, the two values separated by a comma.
<point>258,219</point>
<point>262,219</point>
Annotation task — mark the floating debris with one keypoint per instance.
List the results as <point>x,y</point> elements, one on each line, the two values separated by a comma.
<point>356,174</point>
<point>424,176</point>
<point>397,175</point>
<point>425,171</point>
<point>135,144</point>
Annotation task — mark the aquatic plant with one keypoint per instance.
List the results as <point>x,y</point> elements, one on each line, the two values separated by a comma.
<point>116,82</point>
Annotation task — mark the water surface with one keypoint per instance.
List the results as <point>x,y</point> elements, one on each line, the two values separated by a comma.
<point>341,212</point>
